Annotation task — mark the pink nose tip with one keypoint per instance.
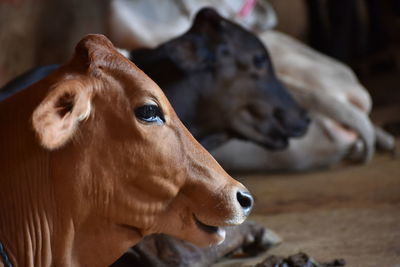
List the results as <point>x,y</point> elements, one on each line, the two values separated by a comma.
<point>245,200</point>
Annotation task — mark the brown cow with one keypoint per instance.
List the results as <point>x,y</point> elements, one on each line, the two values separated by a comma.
<point>93,158</point>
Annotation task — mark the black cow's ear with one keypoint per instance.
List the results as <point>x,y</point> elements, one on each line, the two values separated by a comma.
<point>208,21</point>
<point>190,53</point>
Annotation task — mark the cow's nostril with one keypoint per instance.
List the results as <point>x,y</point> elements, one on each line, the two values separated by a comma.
<point>245,200</point>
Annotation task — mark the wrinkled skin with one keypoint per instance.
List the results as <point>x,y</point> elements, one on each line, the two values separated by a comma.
<point>221,82</point>
<point>82,171</point>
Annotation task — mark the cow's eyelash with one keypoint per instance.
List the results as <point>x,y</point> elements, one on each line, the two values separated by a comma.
<point>150,113</point>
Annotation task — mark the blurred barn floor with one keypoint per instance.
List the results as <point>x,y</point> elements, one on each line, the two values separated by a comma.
<point>350,212</point>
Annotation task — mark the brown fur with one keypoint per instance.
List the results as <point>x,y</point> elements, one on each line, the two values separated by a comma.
<point>81,185</point>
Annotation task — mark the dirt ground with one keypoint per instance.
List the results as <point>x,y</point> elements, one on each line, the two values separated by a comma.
<point>350,212</point>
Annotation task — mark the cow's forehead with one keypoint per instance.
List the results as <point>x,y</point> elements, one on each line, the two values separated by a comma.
<point>231,32</point>
<point>136,84</point>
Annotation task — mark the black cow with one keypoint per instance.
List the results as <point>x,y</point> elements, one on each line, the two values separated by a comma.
<point>220,80</point>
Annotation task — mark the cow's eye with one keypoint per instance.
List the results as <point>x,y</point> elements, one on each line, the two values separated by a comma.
<point>150,113</point>
<point>259,61</point>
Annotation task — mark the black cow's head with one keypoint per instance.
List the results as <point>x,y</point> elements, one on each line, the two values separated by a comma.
<point>220,79</point>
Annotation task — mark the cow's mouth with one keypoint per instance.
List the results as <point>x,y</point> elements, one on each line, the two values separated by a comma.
<point>215,234</point>
<point>205,227</point>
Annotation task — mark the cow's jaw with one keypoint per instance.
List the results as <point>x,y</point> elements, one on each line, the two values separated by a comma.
<point>216,231</point>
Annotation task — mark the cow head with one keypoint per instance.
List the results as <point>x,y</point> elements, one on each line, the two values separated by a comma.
<point>221,82</point>
<point>119,153</point>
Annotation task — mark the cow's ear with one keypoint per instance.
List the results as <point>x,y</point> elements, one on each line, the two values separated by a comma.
<point>57,117</point>
<point>190,53</point>
<point>94,50</point>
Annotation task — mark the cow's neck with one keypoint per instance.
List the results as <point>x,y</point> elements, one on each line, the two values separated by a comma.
<point>36,228</point>
<point>34,238</point>
<point>41,233</point>
<point>26,199</point>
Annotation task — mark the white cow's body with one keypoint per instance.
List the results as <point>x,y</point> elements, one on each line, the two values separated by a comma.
<point>130,21</point>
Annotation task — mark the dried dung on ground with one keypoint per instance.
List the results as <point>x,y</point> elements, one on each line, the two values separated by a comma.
<point>298,260</point>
